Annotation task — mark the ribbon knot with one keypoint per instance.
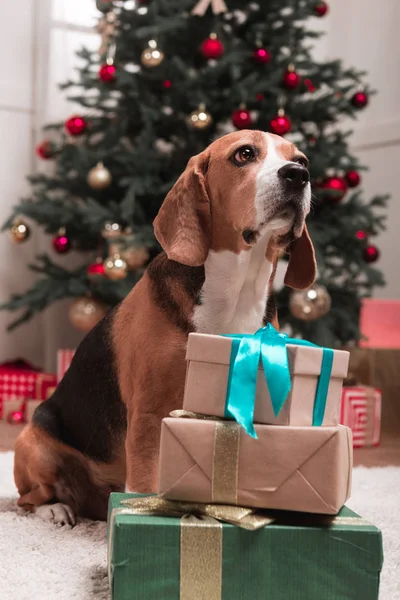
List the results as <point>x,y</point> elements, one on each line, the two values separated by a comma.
<point>269,346</point>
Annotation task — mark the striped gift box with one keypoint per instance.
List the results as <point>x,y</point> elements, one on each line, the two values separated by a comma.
<point>64,358</point>
<point>361,411</point>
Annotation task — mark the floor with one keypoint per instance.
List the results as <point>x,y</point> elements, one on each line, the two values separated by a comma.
<point>387,453</point>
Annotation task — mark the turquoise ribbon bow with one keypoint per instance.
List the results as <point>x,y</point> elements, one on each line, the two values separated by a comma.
<point>269,345</point>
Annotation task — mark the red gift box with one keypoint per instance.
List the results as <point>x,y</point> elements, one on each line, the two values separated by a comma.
<point>64,358</point>
<point>19,380</point>
<point>361,411</point>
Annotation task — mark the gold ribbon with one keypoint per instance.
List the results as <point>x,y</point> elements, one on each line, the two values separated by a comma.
<point>224,479</point>
<point>218,7</point>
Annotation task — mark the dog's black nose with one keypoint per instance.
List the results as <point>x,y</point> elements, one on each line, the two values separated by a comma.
<point>294,175</point>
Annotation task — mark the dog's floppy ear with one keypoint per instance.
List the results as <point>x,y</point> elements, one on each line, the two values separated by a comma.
<point>183,224</point>
<point>302,268</point>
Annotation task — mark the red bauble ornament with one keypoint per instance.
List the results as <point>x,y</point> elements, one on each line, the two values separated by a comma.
<point>261,56</point>
<point>107,73</point>
<point>359,99</point>
<point>61,243</point>
<point>167,84</point>
<point>242,118</point>
<point>361,234</point>
<point>371,254</point>
<point>309,85</point>
<point>16,417</point>
<point>95,270</point>
<point>291,79</point>
<point>280,124</point>
<point>76,125</point>
<point>212,47</point>
<point>46,149</point>
<point>321,8</point>
<point>336,188</point>
<point>353,178</point>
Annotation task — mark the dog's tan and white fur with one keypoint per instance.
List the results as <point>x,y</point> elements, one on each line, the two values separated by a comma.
<point>220,227</point>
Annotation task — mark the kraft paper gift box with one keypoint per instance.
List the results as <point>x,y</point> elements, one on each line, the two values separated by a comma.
<point>302,557</point>
<point>207,378</point>
<point>304,469</point>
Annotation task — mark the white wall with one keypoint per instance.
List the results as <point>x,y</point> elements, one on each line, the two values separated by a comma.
<point>39,48</point>
<point>17,84</point>
<point>365,34</point>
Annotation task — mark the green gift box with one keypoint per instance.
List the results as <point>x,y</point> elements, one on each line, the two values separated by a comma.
<point>296,557</point>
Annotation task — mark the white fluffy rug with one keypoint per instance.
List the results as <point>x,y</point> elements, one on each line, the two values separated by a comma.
<point>39,561</point>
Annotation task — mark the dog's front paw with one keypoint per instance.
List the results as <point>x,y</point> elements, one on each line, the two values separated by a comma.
<point>59,514</point>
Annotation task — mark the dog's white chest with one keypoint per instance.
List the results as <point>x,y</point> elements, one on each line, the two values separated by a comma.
<point>234,295</point>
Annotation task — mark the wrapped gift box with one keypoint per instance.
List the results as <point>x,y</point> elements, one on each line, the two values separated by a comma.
<point>291,468</point>
<point>207,378</point>
<point>20,381</point>
<point>361,411</point>
<point>307,557</point>
<point>64,358</point>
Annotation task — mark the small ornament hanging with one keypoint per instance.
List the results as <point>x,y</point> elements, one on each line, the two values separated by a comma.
<point>334,188</point>
<point>371,254</point>
<point>99,177</point>
<point>20,231</point>
<point>111,230</point>
<point>280,124</point>
<point>61,242</point>
<point>241,118</point>
<point>311,304</point>
<point>361,235</point>
<point>104,5</point>
<point>309,85</point>
<point>353,178</point>
<point>359,100</point>
<point>16,417</point>
<point>261,56</point>
<point>291,79</point>
<point>85,312</point>
<point>200,118</point>
<point>134,256</point>
<point>212,47</point>
<point>107,71</point>
<point>321,8</point>
<point>152,56</point>
<point>46,149</point>
<point>217,6</point>
<point>96,269</point>
<point>115,267</point>
<point>76,125</point>
<point>167,84</point>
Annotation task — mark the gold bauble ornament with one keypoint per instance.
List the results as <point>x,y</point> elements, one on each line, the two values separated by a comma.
<point>115,267</point>
<point>99,178</point>
<point>134,256</point>
<point>152,56</point>
<point>20,231</point>
<point>310,304</point>
<point>85,313</point>
<point>200,118</point>
<point>111,230</point>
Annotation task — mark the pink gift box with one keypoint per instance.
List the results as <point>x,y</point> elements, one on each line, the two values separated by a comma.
<point>64,358</point>
<point>380,323</point>
<point>361,411</point>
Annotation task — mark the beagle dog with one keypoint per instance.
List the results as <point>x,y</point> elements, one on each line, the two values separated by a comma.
<point>220,227</point>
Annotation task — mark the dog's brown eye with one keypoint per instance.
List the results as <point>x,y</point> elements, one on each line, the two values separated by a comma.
<point>243,155</point>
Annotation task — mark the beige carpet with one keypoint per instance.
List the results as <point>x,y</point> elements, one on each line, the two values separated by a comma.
<point>39,561</point>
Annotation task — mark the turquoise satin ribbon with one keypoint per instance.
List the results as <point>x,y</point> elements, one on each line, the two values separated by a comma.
<point>269,345</point>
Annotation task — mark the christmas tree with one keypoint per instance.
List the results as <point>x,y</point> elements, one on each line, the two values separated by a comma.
<point>170,76</point>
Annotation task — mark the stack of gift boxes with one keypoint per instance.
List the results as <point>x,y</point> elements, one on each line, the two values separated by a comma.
<point>257,447</point>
